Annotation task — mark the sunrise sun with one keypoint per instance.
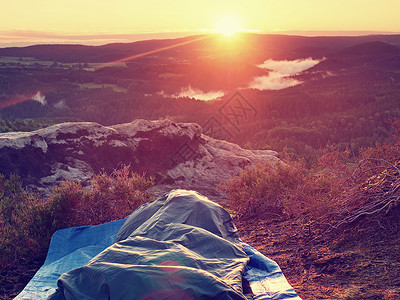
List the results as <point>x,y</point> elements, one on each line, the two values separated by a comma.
<point>228,25</point>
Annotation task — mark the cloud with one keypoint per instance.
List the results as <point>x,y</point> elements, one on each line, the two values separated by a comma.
<point>289,67</point>
<point>39,98</point>
<point>189,92</point>
<point>279,72</point>
<point>273,81</point>
<point>60,104</point>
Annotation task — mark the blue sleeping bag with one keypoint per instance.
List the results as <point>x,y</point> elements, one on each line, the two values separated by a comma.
<point>181,246</point>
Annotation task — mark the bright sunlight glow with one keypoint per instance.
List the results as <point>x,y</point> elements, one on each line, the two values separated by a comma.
<point>228,25</point>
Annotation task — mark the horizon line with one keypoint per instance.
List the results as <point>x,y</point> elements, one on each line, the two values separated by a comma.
<point>19,38</point>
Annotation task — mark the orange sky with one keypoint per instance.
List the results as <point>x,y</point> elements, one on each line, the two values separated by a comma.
<point>95,20</point>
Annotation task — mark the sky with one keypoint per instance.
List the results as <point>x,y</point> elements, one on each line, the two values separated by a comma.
<point>102,21</point>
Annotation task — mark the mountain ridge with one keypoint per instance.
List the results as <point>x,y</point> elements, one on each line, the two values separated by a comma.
<point>289,46</point>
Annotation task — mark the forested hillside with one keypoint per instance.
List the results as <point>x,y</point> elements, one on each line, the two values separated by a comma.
<point>346,99</point>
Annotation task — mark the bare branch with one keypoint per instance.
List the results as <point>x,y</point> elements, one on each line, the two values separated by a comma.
<point>375,159</point>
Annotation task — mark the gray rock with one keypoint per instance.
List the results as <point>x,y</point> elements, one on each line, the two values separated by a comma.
<point>177,154</point>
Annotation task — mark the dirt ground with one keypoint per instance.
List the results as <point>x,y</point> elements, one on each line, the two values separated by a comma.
<point>358,261</point>
<point>14,279</point>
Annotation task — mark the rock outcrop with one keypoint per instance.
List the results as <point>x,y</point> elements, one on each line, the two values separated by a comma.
<point>177,154</point>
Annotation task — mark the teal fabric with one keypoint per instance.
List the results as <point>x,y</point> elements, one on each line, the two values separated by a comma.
<point>69,248</point>
<point>181,246</point>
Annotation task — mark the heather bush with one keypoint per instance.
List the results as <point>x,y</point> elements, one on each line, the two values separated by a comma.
<point>327,182</point>
<point>266,187</point>
<point>383,156</point>
<point>376,181</point>
<point>27,221</point>
<point>289,188</point>
<point>108,198</point>
<point>23,222</point>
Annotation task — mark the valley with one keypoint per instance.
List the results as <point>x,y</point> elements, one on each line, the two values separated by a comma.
<point>194,112</point>
<point>345,99</point>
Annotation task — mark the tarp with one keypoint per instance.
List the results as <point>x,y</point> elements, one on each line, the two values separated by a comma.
<point>181,246</point>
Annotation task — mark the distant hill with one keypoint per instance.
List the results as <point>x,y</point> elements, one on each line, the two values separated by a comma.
<point>374,54</point>
<point>82,53</point>
<point>258,46</point>
<point>376,48</point>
